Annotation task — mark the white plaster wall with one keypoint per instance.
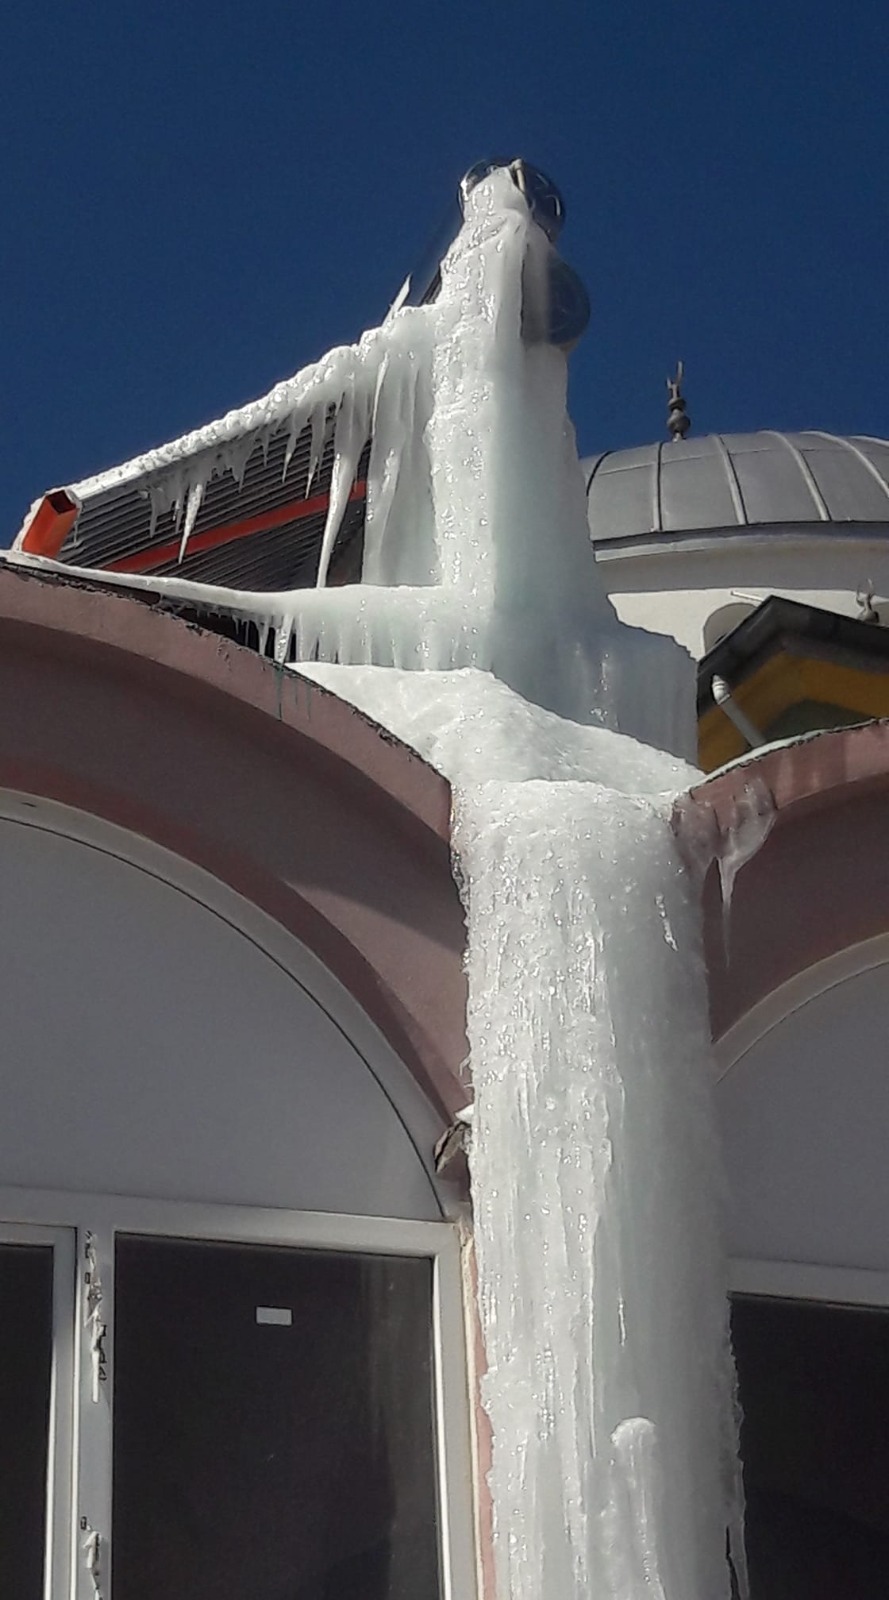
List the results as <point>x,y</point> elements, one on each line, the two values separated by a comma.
<point>675,590</point>
<point>155,1045</point>
<point>804,1113</point>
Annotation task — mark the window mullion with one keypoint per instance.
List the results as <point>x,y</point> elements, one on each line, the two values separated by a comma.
<point>62,1419</point>
<point>94,1339</point>
<point>57,1582</point>
<point>454,1445</point>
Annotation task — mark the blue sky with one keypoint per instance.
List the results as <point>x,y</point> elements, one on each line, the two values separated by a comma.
<point>200,198</point>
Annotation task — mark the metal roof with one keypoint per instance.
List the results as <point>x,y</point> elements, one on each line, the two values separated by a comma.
<point>723,482</point>
<point>259,530</point>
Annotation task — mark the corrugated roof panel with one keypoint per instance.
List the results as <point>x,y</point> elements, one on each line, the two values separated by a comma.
<point>767,441</point>
<point>692,448</point>
<point>772,486</point>
<point>876,451</point>
<point>258,532</point>
<point>695,488</point>
<point>850,490</point>
<point>117,525</point>
<point>643,455</point>
<point>623,495</point>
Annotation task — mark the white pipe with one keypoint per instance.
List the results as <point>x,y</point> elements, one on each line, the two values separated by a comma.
<point>748,730</point>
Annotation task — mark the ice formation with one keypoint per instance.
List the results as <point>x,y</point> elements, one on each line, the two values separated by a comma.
<point>481,635</point>
<point>730,843</point>
<point>595,1177</point>
<point>477,551</point>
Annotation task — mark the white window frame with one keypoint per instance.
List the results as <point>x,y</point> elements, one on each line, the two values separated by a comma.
<point>81,1456</point>
<point>794,995</point>
<point>804,1280</point>
<point>60,1440</point>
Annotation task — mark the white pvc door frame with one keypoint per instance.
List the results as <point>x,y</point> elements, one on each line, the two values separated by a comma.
<point>81,1430</point>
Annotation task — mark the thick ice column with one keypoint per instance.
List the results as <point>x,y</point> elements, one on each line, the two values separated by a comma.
<point>595,1186</point>
<point>507,487</point>
<point>509,498</point>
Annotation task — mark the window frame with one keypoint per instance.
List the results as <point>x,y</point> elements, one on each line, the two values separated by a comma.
<point>804,1280</point>
<point>59,1534</point>
<point>80,1473</point>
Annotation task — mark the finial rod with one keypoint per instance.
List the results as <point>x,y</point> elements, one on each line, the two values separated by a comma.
<point>678,420</point>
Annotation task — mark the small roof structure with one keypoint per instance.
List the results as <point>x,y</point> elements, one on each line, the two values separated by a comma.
<point>791,668</point>
<point>726,482</point>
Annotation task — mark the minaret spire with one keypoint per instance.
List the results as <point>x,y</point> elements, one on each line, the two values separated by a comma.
<point>678,421</point>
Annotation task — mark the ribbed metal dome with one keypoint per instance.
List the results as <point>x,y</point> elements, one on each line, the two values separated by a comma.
<point>724,482</point>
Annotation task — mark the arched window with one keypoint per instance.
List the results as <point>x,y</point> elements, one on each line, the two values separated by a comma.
<point>234,1362</point>
<point>803,1105</point>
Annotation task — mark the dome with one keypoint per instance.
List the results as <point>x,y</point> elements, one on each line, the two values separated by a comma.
<point>723,482</point>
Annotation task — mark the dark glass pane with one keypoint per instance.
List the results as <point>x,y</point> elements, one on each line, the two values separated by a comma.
<point>25,1376</point>
<point>273,1424</point>
<point>814,1387</point>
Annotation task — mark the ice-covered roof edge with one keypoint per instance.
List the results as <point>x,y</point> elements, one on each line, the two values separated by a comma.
<point>323,380</point>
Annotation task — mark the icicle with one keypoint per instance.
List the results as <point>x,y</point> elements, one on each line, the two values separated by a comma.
<point>731,844</point>
<point>180,490</point>
<point>237,456</point>
<point>192,507</point>
<point>283,636</point>
<point>316,446</point>
<point>392,435</point>
<point>164,496</point>
<point>751,821</point>
<point>387,443</point>
<point>350,437</point>
<point>152,513</point>
<point>296,427</point>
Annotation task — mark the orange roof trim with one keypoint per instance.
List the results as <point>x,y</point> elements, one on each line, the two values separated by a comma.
<point>52,522</point>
